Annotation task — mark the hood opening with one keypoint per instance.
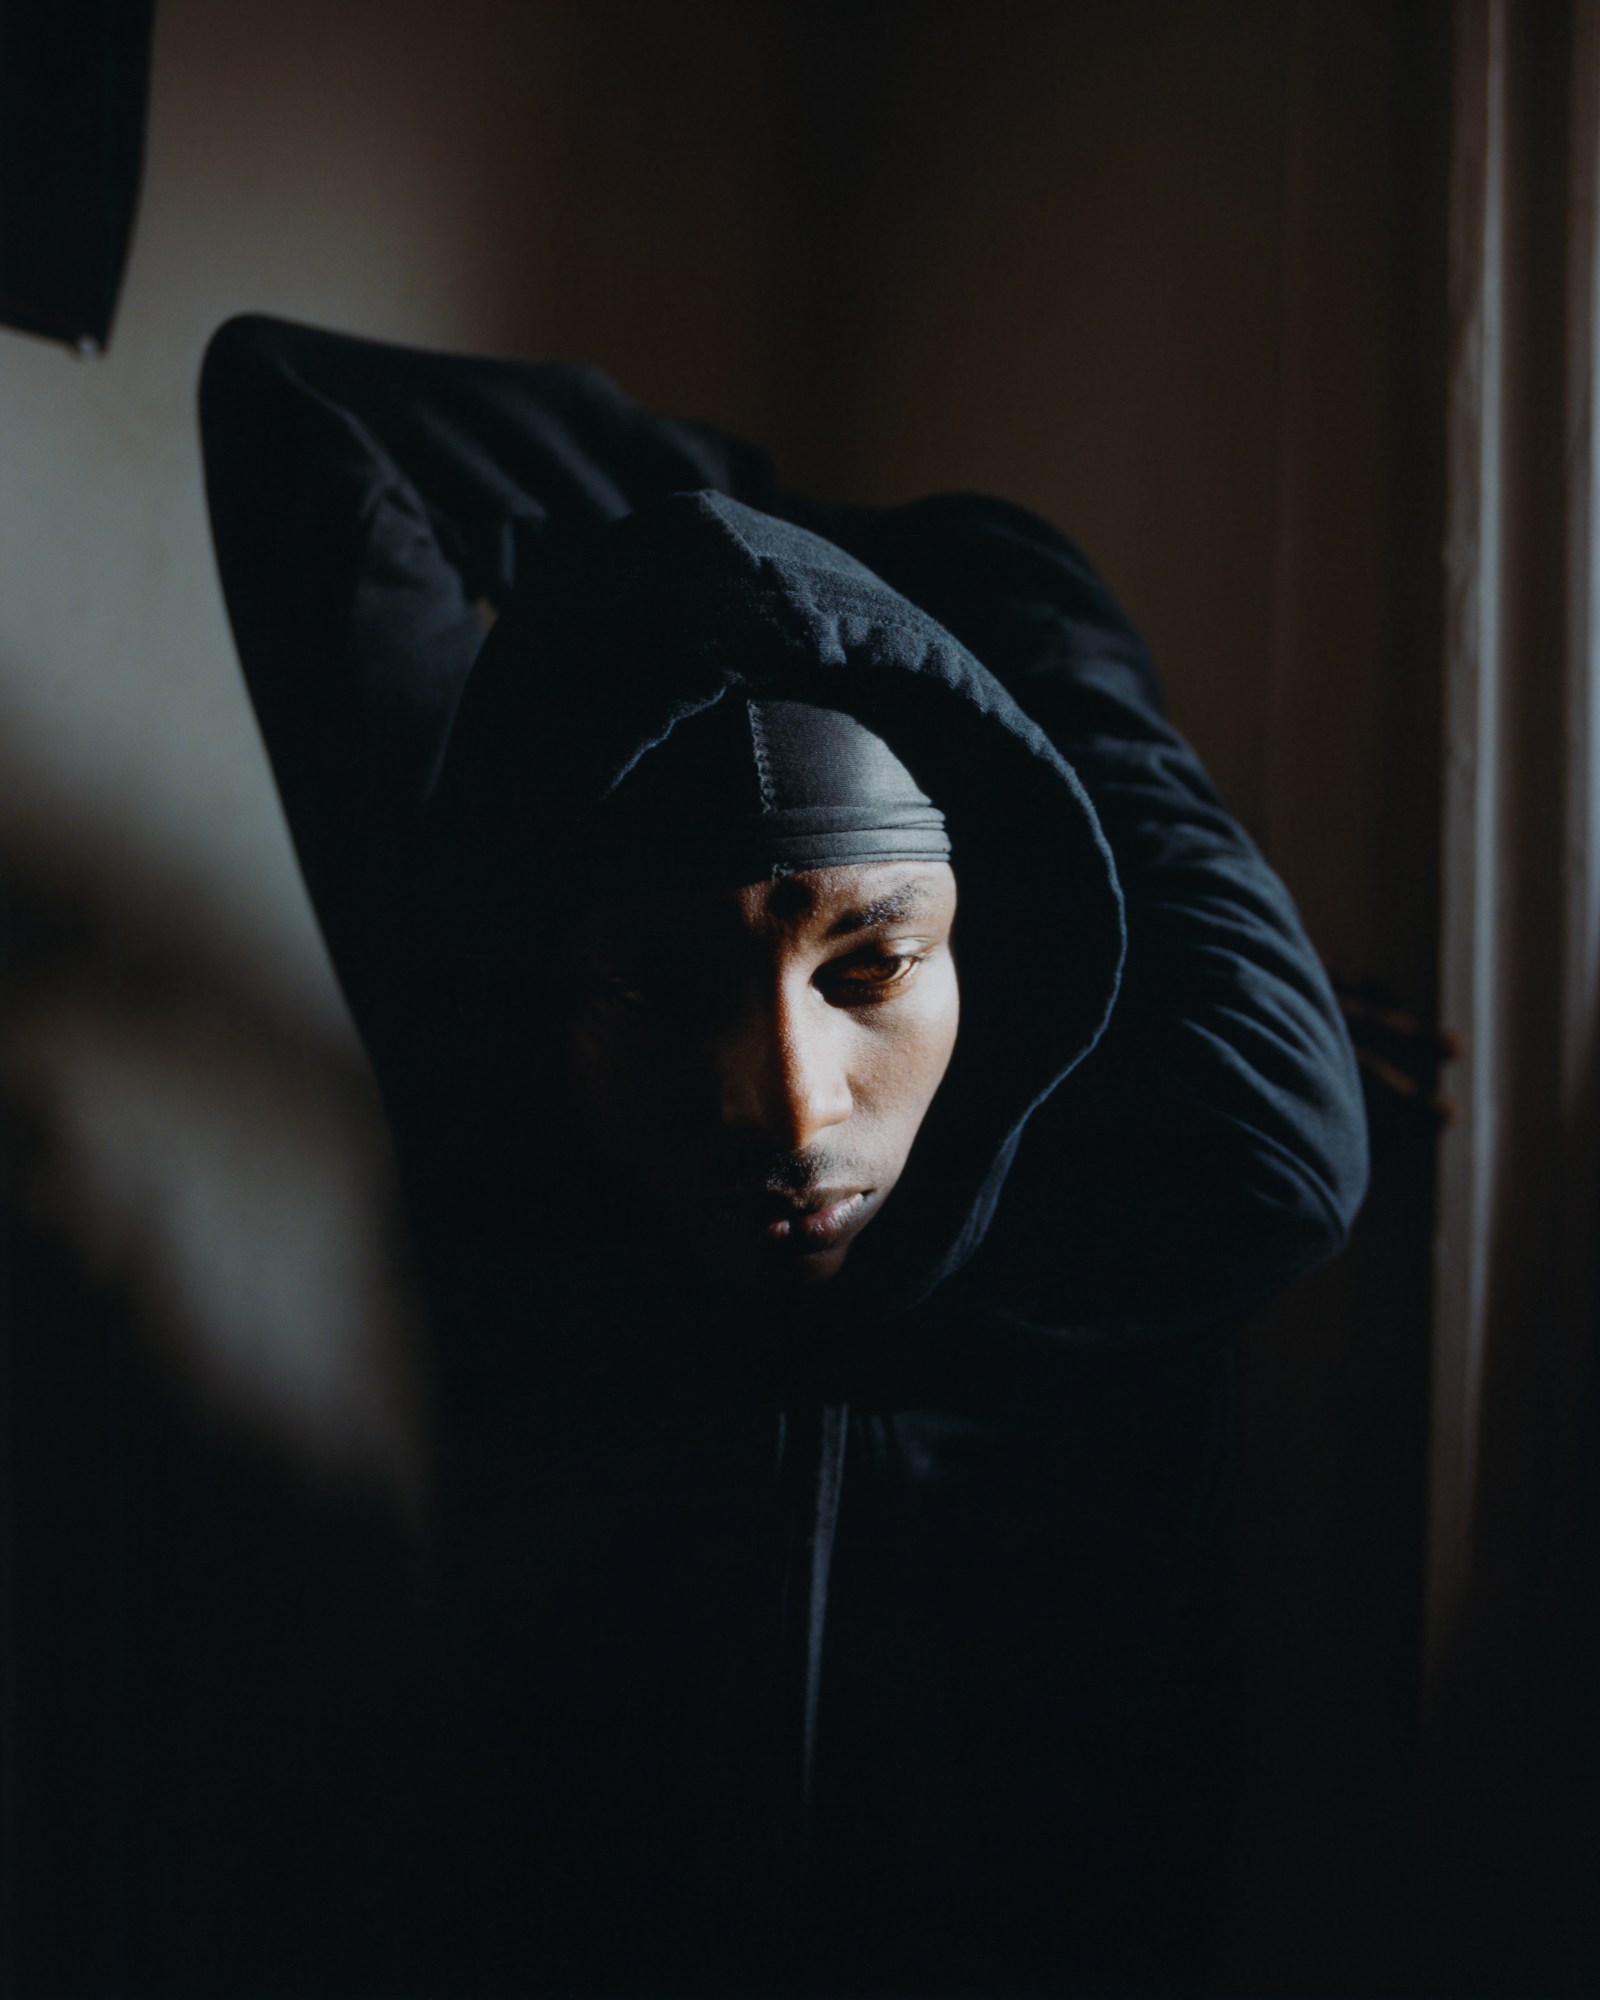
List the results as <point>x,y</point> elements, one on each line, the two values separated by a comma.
<point>617,637</point>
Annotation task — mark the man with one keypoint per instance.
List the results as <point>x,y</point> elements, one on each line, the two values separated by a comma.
<point>848,1071</point>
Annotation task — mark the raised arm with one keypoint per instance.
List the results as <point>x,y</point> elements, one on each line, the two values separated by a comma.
<point>367,504</point>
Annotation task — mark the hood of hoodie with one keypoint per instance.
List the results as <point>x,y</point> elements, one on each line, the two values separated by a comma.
<point>615,638</point>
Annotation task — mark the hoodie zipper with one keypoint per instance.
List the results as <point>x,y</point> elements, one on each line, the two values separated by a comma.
<point>810,1470</point>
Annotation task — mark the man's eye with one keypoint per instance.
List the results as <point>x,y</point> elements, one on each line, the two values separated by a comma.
<point>879,973</point>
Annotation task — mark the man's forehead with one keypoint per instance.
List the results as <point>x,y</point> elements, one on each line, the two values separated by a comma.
<point>850,898</point>
<point>835,902</point>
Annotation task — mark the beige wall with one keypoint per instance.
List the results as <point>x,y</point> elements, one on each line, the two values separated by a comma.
<point>176,1040</point>
<point>343,163</point>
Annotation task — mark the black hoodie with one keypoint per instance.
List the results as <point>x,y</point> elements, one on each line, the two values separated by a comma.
<point>864,1650</point>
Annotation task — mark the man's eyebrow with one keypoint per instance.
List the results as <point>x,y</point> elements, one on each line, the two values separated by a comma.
<point>890,908</point>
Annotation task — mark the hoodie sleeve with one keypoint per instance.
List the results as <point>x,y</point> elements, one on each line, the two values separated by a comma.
<point>1213,1146</point>
<point>368,503</point>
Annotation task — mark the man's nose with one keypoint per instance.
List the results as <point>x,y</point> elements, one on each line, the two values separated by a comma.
<point>783,1073</point>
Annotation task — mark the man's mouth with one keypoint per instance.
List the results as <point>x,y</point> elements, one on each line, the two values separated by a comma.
<point>801,1224</point>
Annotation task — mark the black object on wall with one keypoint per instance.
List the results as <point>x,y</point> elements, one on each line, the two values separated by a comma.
<point>74,81</point>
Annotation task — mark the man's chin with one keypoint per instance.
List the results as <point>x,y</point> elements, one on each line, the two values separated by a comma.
<point>761,1273</point>
<point>819,1267</point>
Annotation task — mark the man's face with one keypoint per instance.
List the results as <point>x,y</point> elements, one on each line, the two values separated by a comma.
<point>755,1063</point>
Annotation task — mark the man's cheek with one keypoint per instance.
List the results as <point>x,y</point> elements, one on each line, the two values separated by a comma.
<point>639,1106</point>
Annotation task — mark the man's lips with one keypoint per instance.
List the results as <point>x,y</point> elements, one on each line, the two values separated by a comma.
<point>800,1223</point>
